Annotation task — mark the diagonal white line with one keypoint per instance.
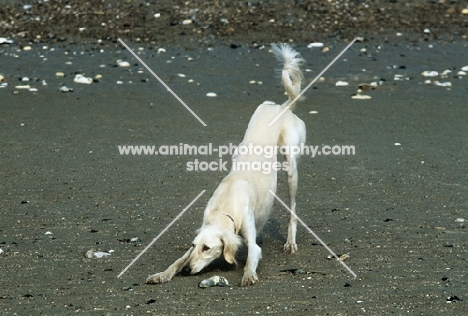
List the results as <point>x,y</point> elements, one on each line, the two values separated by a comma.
<point>162,82</point>
<point>311,83</point>
<point>160,234</point>
<point>315,235</point>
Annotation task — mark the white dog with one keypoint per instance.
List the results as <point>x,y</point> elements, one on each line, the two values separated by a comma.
<point>241,204</point>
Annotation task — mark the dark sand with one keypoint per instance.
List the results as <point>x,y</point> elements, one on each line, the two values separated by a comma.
<point>66,189</point>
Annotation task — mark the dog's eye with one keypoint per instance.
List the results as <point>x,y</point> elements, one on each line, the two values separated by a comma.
<point>206,248</point>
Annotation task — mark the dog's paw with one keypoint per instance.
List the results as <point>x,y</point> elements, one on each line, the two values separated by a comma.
<point>249,279</point>
<point>290,248</point>
<point>157,278</point>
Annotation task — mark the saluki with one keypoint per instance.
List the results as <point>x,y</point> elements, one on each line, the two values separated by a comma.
<point>241,205</point>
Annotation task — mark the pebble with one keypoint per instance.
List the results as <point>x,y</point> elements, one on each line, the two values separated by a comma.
<point>460,73</point>
<point>26,48</point>
<point>23,87</point>
<point>397,144</point>
<point>317,44</point>
<point>211,94</point>
<point>33,89</point>
<point>82,79</point>
<point>181,75</point>
<point>60,74</point>
<point>96,254</point>
<point>361,97</point>
<point>4,40</point>
<point>464,68</point>
<point>464,11</point>
<point>65,89</point>
<point>428,73</point>
<point>123,63</point>
<point>443,84</point>
<point>341,83</point>
<point>214,281</point>
<point>161,50</point>
<point>157,15</point>
<point>187,22</point>
<point>1,251</point>
<point>313,112</point>
<point>460,220</point>
<point>25,79</point>
<point>2,77</point>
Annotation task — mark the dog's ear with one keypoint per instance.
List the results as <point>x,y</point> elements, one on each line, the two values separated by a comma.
<point>231,243</point>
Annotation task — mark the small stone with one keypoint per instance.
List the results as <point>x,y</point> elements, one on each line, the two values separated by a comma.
<point>23,87</point>
<point>316,44</point>
<point>82,79</point>
<point>361,97</point>
<point>123,63</point>
<point>214,281</point>
<point>4,40</point>
<point>341,83</point>
<point>464,68</point>
<point>211,94</point>
<point>345,257</point>
<point>464,11</point>
<point>60,74</point>
<point>460,220</point>
<point>96,254</point>
<point>65,89</point>
<point>26,48</point>
<point>313,112</point>
<point>429,73</point>
<point>443,84</point>
<point>187,22</point>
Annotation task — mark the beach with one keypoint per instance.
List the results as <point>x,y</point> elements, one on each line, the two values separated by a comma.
<point>396,206</point>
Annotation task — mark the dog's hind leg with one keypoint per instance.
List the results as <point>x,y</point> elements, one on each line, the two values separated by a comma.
<point>291,246</point>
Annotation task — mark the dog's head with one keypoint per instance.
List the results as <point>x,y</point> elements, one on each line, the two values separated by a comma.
<point>211,243</point>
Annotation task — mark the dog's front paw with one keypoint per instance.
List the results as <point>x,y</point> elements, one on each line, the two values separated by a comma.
<point>249,278</point>
<point>290,248</point>
<point>157,278</point>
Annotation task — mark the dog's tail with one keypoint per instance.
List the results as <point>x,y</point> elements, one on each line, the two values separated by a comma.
<point>291,74</point>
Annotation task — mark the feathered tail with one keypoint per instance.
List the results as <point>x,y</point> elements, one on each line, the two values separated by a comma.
<point>291,74</point>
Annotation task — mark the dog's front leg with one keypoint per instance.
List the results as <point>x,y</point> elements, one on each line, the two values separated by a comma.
<point>173,269</point>
<point>253,256</point>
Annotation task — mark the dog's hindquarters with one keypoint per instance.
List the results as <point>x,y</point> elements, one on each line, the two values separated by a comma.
<point>293,133</point>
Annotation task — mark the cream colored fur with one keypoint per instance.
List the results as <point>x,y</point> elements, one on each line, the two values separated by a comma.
<point>241,204</point>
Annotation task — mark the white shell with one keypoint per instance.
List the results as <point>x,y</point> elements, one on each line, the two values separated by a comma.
<point>214,281</point>
<point>341,83</point>
<point>82,79</point>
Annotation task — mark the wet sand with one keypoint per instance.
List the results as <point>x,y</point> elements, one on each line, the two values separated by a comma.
<point>396,206</point>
